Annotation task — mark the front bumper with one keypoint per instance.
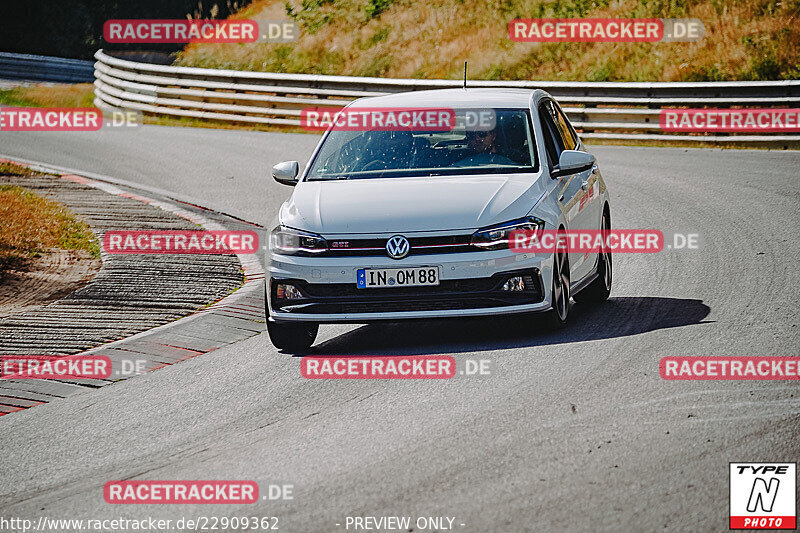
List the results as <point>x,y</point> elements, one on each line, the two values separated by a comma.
<point>469,286</point>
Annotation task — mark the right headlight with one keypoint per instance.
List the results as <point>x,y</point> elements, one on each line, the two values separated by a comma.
<point>290,241</point>
<point>496,237</point>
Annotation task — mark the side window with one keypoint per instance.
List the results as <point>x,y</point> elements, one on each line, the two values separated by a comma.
<point>552,137</point>
<point>567,134</point>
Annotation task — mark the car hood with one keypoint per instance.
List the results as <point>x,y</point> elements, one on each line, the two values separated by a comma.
<point>397,205</point>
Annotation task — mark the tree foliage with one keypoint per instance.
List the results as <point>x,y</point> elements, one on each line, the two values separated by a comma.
<point>74,28</point>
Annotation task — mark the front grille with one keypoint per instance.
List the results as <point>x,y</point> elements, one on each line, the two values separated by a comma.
<point>477,293</point>
<point>400,306</point>
<point>419,246</point>
<point>332,290</point>
<point>430,305</point>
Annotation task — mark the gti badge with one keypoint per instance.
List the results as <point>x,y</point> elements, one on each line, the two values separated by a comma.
<point>398,247</point>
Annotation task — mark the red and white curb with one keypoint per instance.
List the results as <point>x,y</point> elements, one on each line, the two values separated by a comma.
<point>245,303</point>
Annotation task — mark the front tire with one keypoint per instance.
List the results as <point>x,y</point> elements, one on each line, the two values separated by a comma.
<point>292,337</point>
<point>559,295</point>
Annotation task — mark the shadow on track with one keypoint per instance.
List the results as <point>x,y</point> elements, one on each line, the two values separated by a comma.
<point>617,317</point>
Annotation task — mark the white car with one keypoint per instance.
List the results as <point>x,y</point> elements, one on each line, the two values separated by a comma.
<point>414,224</point>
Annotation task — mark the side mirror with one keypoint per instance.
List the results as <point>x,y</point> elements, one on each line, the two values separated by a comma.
<point>572,162</point>
<point>286,172</point>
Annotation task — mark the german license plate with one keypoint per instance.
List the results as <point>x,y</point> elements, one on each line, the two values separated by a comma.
<point>372,278</point>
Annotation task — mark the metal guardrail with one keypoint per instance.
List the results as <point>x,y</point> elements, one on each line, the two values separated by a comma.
<point>45,68</point>
<point>608,110</point>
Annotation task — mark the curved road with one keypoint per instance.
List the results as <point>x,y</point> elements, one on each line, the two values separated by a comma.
<point>572,430</point>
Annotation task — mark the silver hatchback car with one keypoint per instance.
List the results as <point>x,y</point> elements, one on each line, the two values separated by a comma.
<point>392,224</point>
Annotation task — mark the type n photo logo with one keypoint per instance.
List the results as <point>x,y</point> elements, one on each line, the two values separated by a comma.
<point>763,495</point>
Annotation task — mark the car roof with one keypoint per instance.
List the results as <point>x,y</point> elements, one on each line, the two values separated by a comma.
<point>454,98</point>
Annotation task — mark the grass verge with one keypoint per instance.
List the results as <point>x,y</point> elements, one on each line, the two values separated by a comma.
<point>82,95</point>
<point>31,224</point>
<point>49,95</point>
<point>13,169</point>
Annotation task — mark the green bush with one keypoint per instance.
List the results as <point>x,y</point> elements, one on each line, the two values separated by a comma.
<point>376,7</point>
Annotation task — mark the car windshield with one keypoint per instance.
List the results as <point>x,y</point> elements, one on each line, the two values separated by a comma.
<point>507,146</point>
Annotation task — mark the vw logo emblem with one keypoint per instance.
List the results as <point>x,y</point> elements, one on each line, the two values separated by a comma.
<point>398,247</point>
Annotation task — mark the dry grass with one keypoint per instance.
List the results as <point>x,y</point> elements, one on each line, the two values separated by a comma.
<point>745,40</point>
<point>690,143</point>
<point>7,168</point>
<point>31,224</point>
<point>63,95</point>
<point>190,122</point>
<point>49,95</point>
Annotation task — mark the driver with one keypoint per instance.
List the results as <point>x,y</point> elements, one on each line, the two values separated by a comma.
<point>484,150</point>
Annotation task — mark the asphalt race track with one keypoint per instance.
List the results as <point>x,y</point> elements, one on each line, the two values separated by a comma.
<point>572,430</point>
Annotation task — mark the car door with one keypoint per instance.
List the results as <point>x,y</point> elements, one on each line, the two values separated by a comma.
<point>568,191</point>
<point>589,204</point>
<point>592,202</point>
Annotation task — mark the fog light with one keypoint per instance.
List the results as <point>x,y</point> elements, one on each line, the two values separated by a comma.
<point>287,292</point>
<point>514,284</point>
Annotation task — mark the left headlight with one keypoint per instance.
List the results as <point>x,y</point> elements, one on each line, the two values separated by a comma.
<point>496,237</point>
<point>290,241</point>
